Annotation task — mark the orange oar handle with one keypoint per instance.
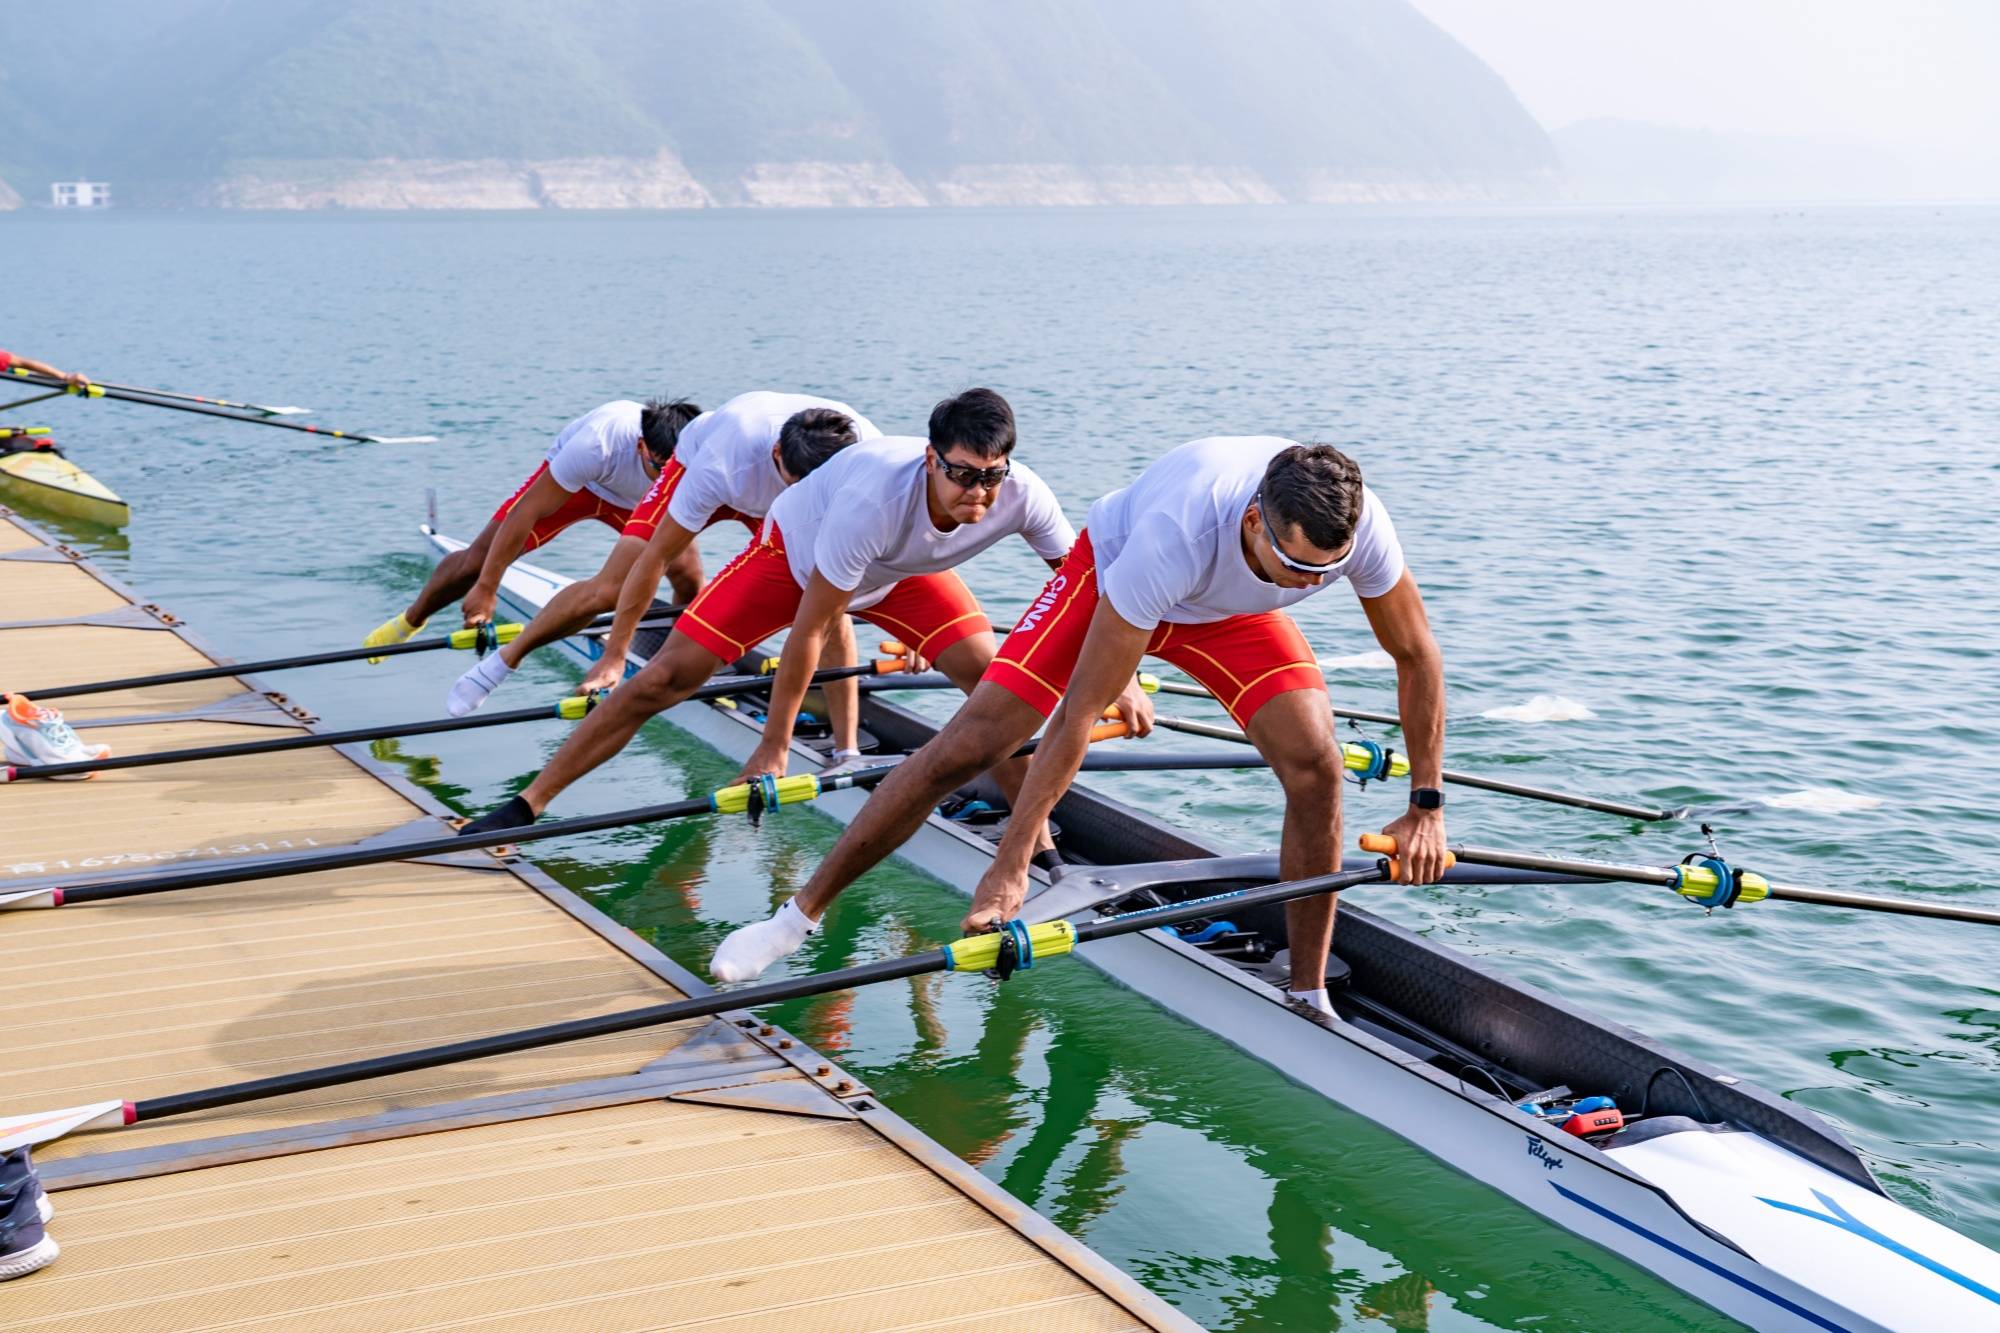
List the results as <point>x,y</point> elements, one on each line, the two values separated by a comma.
<point>1111,729</point>
<point>1382,842</point>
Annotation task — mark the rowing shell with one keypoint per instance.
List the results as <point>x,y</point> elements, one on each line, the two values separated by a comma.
<point>45,480</point>
<point>1735,1196</point>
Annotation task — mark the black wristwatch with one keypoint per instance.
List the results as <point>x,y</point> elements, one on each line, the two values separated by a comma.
<point>1427,798</point>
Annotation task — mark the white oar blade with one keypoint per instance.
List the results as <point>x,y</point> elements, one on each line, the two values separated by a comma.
<point>398,439</point>
<point>30,898</point>
<point>27,1130</point>
<point>285,411</point>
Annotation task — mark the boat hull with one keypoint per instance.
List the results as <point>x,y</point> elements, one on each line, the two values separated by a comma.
<point>44,480</point>
<point>1729,1244</point>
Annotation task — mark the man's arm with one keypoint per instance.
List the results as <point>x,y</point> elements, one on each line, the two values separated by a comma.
<point>635,598</point>
<point>542,499</point>
<point>1404,631</point>
<point>74,379</point>
<point>818,609</point>
<point>1112,647</point>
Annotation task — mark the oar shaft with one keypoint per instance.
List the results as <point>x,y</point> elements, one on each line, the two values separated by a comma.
<point>276,745</point>
<point>170,394</point>
<point>1354,714</point>
<point>145,400</point>
<point>1667,878</point>
<point>1874,903</point>
<point>314,862</point>
<point>1625,809</point>
<point>528,1039</point>
<point>222,670</point>
<point>703,1006</point>
<point>568,710</point>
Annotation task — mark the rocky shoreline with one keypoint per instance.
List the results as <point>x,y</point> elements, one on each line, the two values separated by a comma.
<point>665,182</point>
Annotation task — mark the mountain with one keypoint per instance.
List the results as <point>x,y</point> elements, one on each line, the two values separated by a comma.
<point>1627,161</point>
<point>692,103</point>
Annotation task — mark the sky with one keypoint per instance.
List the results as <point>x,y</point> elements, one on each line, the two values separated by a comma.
<point>1918,78</point>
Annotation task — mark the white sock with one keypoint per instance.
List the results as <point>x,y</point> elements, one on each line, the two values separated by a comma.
<point>1316,998</point>
<point>469,691</point>
<point>752,948</point>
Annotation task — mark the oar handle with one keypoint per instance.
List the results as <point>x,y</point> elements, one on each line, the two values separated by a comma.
<point>1383,842</point>
<point>1112,729</point>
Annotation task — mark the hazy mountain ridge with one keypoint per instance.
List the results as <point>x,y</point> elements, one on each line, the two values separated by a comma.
<point>692,103</point>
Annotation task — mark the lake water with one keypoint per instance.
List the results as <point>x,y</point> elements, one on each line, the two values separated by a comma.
<point>1716,485</point>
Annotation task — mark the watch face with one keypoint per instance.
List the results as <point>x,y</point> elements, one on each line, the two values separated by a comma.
<point>1427,798</point>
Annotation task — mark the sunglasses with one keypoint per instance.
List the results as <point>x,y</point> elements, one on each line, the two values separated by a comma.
<point>967,477</point>
<point>1296,566</point>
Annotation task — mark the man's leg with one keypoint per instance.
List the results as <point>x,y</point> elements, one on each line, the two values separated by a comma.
<point>684,575</point>
<point>990,725</point>
<point>1295,731</point>
<point>451,578</point>
<point>965,662</point>
<point>573,607</point>
<point>675,672</point>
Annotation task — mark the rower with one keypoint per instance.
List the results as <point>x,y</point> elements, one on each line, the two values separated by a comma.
<point>599,467</point>
<point>9,360</point>
<point>1193,561</point>
<point>879,530</point>
<point>727,464</point>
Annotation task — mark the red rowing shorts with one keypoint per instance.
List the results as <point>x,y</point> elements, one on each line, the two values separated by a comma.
<point>580,506</point>
<point>1244,661</point>
<point>755,596</point>
<point>645,520</point>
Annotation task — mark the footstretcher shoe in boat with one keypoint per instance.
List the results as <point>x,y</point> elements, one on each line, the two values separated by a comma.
<point>33,735</point>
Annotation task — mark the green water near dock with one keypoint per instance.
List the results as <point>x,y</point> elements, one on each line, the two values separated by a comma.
<point>1718,484</point>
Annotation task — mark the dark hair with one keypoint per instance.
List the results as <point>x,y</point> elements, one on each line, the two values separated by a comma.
<point>1315,488</point>
<point>979,419</point>
<point>661,422</point>
<point>809,438</point>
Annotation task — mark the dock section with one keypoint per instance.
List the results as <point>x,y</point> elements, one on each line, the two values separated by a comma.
<point>715,1173</point>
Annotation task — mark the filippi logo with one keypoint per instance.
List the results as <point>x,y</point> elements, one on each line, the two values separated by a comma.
<point>1540,1152</point>
<point>1043,603</point>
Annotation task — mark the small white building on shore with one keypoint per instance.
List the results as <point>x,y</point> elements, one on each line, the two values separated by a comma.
<point>79,194</point>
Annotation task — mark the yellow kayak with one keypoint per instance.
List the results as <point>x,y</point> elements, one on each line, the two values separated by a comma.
<point>43,479</point>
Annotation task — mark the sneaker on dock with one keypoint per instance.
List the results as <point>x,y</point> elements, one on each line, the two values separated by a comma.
<point>34,735</point>
<point>25,1244</point>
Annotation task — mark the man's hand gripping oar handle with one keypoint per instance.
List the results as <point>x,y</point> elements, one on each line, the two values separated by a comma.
<point>1382,842</point>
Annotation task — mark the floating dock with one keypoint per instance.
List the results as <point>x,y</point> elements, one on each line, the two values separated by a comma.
<point>716,1173</point>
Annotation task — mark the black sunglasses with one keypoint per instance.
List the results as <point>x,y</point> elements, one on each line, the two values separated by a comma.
<point>968,477</point>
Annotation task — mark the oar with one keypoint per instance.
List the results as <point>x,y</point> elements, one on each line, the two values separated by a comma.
<point>1706,880</point>
<point>483,638</point>
<point>16,432</point>
<point>568,709</point>
<point>1015,947</point>
<point>169,395</point>
<point>1400,768</point>
<point>1197,692</point>
<point>751,798</point>
<point>129,396</point>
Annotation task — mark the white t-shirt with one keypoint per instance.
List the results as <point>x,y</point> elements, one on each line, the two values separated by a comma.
<point>599,452</point>
<point>727,454</point>
<point>863,520</point>
<point>1169,546</point>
